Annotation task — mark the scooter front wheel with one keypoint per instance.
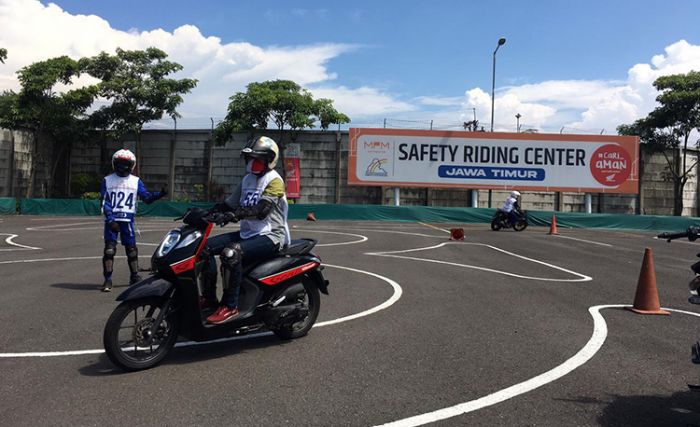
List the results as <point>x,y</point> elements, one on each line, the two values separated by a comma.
<point>495,224</point>
<point>131,339</point>
<point>520,225</point>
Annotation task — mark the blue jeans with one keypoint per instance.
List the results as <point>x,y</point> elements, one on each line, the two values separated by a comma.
<point>254,249</point>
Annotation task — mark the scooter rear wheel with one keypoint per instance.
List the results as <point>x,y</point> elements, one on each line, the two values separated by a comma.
<point>312,298</point>
<point>128,329</point>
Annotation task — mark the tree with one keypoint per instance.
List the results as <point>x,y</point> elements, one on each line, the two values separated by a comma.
<point>3,55</point>
<point>136,83</point>
<point>669,128</point>
<point>281,102</point>
<point>44,112</point>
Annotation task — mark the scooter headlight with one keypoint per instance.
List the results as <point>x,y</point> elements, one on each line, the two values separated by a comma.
<point>189,239</point>
<point>168,243</point>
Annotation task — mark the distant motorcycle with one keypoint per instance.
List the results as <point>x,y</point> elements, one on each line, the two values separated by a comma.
<point>500,220</point>
<point>692,234</point>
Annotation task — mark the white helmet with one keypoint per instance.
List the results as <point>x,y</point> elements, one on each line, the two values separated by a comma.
<point>123,162</point>
<point>515,194</point>
<point>262,148</point>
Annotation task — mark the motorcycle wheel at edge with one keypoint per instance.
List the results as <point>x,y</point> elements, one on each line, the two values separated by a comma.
<point>128,329</point>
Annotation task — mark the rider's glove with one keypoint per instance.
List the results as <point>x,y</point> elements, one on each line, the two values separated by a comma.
<point>222,219</point>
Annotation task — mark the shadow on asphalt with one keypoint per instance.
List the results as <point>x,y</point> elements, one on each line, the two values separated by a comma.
<point>84,286</point>
<point>679,409</point>
<point>190,354</point>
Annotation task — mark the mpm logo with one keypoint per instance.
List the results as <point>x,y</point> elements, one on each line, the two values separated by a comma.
<point>377,145</point>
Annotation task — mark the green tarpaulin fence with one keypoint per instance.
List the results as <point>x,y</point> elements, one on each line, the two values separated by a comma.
<point>376,213</point>
<point>8,205</point>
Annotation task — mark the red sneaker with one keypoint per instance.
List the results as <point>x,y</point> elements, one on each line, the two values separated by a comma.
<point>207,303</point>
<point>223,315</point>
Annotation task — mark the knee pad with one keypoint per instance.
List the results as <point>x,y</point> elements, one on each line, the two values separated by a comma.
<point>132,252</point>
<point>231,255</point>
<point>110,250</point>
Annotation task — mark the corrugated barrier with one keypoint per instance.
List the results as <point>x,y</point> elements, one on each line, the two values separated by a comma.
<point>8,205</point>
<point>376,213</point>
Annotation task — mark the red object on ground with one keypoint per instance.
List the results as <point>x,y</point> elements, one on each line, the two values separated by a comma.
<point>646,299</point>
<point>553,226</point>
<point>456,234</point>
<point>310,216</point>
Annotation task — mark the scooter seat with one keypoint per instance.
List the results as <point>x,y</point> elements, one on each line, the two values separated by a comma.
<point>298,247</point>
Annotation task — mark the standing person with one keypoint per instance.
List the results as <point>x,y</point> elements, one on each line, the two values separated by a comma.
<point>511,207</point>
<point>119,193</point>
<point>259,202</point>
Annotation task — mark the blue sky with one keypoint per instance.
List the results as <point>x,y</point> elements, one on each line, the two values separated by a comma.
<point>564,64</point>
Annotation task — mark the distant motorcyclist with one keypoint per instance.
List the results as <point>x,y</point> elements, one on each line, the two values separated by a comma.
<point>511,207</point>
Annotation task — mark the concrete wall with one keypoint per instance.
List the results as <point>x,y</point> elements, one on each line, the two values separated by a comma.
<point>181,161</point>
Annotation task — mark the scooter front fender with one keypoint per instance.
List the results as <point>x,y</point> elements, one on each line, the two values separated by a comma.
<point>153,286</point>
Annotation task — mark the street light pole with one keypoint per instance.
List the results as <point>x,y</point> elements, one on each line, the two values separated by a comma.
<point>501,42</point>
<point>517,122</point>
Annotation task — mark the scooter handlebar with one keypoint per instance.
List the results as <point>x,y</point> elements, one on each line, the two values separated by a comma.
<point>691,233</point>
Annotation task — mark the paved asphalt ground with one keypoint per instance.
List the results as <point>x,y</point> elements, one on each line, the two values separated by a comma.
<point>492,331</point>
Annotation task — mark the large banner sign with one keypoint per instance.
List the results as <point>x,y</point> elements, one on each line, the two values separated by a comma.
<point>490,160</point>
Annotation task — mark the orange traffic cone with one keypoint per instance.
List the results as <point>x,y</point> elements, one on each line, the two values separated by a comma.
<point>310,216</point>
<point>456,234</point>
<point>553,226</point>
<point>646,300</point>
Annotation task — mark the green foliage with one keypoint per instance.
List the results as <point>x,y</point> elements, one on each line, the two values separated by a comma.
<point>85,183</point>
<point>670,126</point>
<point>92,195</point>
<point>136,83</point>
<point>3,55</point>
<point>281,102</point>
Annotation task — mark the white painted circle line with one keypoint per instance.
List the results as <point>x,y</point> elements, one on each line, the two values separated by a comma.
<point>9,241</point>
<point>582,240</point>
<point>600,332</point>
<point>393,254</point>
<point>408,233</point>
<point>394,297</point>
<point>360,240</point>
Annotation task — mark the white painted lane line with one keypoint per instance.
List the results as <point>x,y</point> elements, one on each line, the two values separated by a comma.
<point>393,254</point>
<point>9,241</point>
<point>396,295</point>
<point>581,240</point>
<point>600,332</point>
<point>408,233</point>
<point>360,240</point>
<point>78,258</point>
<point>434,227</point>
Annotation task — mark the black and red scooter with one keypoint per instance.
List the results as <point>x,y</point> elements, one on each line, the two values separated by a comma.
<point>280,294</point>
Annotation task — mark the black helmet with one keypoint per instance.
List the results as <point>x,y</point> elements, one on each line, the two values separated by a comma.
<point>123,162</point>
<point>263,148</point>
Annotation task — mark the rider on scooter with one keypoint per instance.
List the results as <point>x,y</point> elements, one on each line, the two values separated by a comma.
<point>259,202</point>
<point>511,207</point>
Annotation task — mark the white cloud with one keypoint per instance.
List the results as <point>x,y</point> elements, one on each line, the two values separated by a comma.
<point>583,105</point>
<point>32,32</point>
<point>362,102</point>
